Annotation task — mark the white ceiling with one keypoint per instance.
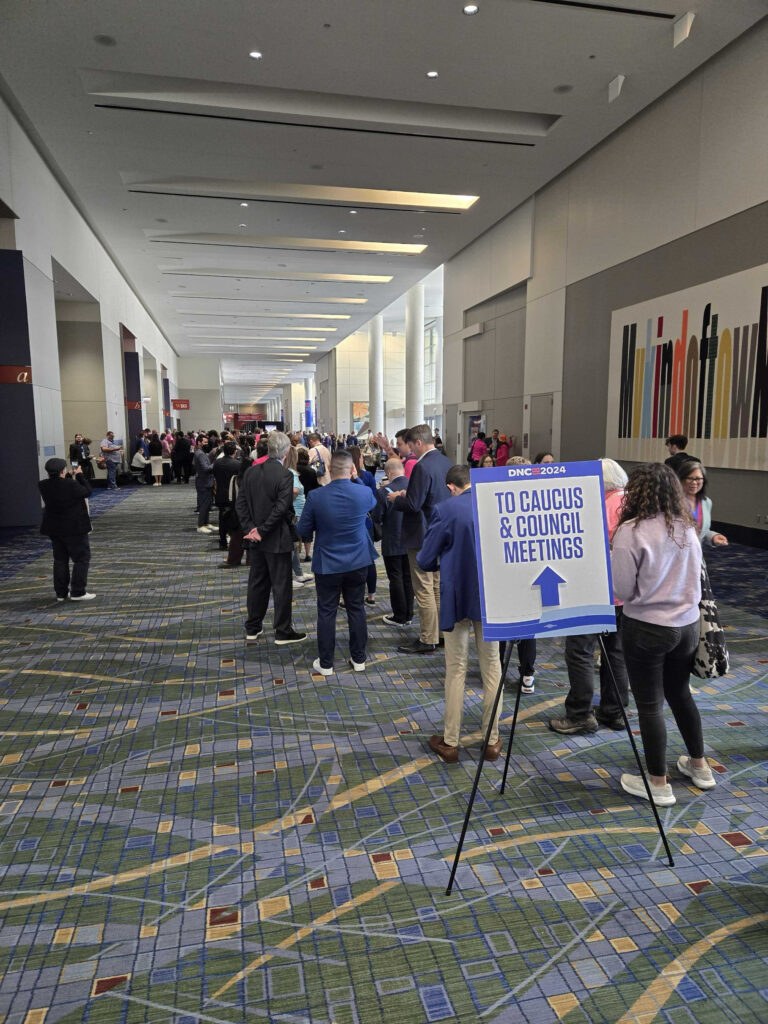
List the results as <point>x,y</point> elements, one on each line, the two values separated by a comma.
<point>165,127</point>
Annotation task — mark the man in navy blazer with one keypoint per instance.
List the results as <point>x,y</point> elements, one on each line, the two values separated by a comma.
<point>343,550</point>
<point>450,544</point>
<point>426,490</point>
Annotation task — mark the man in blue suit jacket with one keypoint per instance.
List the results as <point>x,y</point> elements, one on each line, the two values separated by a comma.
<point>426,489</point>
<point>450,543</point>
<point>343,550</point>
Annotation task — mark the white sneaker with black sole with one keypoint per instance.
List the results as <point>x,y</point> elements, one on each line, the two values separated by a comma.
<point>528,685</point>
<point>392,621</point>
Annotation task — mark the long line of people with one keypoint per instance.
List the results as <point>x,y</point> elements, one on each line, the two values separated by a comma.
<point>288,499</point>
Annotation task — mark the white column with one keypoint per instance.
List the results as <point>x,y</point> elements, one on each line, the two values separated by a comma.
<point>376,375</point>
<point>414,355</point>
<point>439,362</point>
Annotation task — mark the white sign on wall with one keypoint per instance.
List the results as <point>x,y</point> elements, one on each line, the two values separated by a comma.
<point>542,550</point>
<point>694,362</point>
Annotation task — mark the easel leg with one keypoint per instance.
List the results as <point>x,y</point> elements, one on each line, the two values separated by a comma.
<point>510,645</point>
<point>636,752</point>
<point>481,758</point>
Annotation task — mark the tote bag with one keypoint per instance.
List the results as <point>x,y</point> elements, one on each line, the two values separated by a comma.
<point>711,658</point>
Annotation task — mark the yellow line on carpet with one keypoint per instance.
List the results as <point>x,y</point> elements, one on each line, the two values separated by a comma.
<point>307,929</point>
<point>192,856</point>
<point>540,837</point>
<point>652,1001</point>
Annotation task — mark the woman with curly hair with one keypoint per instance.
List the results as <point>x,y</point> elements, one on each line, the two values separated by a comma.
<point>656,562</point>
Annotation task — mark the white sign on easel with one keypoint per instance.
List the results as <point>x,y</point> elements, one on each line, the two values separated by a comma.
<point>542,550</point>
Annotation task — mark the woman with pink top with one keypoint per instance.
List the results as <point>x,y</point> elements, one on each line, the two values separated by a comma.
<point>656,561</point>
<point>477,449</point>
<point>502,450</point>
<point>580,650</point>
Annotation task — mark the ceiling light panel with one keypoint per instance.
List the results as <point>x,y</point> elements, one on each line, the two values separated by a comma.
<point>213,188</point>
<point>278,275</point>
<point>289,244</point>
<point>318,300</point>
<point>266,316</point>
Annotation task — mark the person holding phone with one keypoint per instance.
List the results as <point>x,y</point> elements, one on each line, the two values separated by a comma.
<point>67,522</point>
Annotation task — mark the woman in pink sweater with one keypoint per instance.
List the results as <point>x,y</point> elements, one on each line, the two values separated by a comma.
<point>656,562</point>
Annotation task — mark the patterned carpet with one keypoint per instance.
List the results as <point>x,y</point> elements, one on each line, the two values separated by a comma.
<point>194,829</point>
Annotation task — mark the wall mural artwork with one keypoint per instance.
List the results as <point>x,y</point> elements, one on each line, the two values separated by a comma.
<point>694,362</point>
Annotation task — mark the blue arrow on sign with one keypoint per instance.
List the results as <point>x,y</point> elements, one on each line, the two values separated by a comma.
<point>549,581</point>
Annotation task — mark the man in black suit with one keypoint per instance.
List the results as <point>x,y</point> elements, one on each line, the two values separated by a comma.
<point>67,523</point>
<point>265,510</point>
<point>224,468</point>
<point>426,489</point>
<point>393,551</point>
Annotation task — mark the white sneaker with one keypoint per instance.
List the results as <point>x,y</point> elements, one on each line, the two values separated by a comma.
<point>357,666</point>
<point>317,667</point>
<point>297,584</point>
<point>61,598</point>
<point>254,636</point>
<point>83,597</point>
<point>527,686</point>
<point>702,778</point>
<point>662,795</point>
<point>304,578</point>
<point>204,529</point>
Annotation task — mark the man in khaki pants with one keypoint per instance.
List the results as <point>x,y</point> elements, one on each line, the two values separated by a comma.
<point>426,490</point>
<point>450,542</point>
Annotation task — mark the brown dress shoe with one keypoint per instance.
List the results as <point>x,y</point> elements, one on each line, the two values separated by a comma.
<point>493,750</point>
<point>448,754</point>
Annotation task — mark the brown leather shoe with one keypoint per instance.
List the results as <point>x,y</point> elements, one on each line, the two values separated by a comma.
<point>493,750</point>
<point>448,754</point>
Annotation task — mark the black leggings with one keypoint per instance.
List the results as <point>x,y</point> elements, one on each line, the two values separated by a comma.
<point>659,660</point>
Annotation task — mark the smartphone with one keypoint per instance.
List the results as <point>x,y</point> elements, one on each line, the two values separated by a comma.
<point>75,465</point>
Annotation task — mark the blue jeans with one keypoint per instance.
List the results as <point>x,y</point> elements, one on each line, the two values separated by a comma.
<point>112,475</point>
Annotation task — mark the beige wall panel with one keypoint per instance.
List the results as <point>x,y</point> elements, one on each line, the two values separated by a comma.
<point>545,324</point>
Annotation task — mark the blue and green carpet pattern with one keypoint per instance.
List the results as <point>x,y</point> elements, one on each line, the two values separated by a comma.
<point>196,829</point>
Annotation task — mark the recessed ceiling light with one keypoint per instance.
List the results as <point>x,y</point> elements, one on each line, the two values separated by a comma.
<point>242,225</point>
<point>243,204</point>
<point>255,54</point>
<point>432,74</point>
<point>353,211</point>
<point>342,231</point>
<point>471,8</point>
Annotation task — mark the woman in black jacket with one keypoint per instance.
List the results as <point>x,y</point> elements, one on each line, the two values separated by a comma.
<point>80,454</point>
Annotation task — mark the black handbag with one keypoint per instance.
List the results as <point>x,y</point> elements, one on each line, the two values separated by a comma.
<point>711,658</point>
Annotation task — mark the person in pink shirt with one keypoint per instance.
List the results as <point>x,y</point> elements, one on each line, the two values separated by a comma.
<point>502,450</point>
<point>580,650</point>
<point>477,449</point>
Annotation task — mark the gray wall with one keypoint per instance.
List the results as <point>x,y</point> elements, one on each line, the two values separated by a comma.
<point>494,361</point>
<point>727,247</point>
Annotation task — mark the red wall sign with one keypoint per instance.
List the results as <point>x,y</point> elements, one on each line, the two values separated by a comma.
<point>15,374</point>
<point>180,403</point>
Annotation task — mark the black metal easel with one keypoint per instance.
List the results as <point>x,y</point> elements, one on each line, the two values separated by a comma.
<point>481,758</point>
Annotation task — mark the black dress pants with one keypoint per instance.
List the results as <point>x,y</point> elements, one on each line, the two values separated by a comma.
<point>400,587</point>
<point>329,587</point>
<point>270,572</point>
<point>77,548</point>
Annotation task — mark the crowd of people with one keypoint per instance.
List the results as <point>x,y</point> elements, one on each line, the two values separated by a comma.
<point>285,500</point>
